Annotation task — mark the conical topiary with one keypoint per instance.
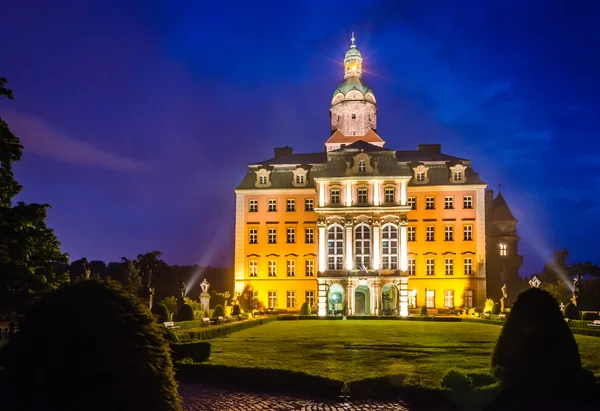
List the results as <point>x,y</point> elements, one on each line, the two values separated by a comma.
<point>161,311</point>
<point>186,313</point>
<point>219,311</point>
<point>535,342</point>
<point>572,312</point>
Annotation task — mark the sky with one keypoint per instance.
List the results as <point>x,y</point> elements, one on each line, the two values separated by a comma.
<point>139,117</point>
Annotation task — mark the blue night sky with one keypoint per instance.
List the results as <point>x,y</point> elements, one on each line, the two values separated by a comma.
<point>139,117</point>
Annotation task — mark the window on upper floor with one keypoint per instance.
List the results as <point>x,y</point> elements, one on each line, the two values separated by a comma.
<point>362,166</point>
<point>457,176</point>
<point>390,195</point>
<point>430,266</point>
<point>272,268</point>
<point>362,195</point>
<point>335,247</point>
<point>309,235</point>
<point>309,204</point>
<point>253,206</point>
<point>291,268</point>
<point>503,249</point>
<point>429,203</point>
<point>272,205</point>
<point>353,116</point>
<point>272,299</point>
<point>449,233</point>
<point>362,247</point>
<point>448,202</point>
<point>468,202</point>
<point>253,269</point>
<point>412,202</point>
<point>291,299</point>
<point>272,236</point>
<point>262,180</point>
<point>449,266</point>
<point>309,266</point>
<point>468,266</point>
<point>291,235</point>
<point>412,266</point>
<point>253,236</point>
<point>335,196</point>
<point>411,234</point>
<point>430,233</point>
<point>389,247</point>
<point>291,204</point>
<point>467,232</point>
<point>300,179</point>
<point>420,176</point>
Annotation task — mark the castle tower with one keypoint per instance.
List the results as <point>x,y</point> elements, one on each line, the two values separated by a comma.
<point>353,107</point>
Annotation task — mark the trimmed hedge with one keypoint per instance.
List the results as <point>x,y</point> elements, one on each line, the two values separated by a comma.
<point>590,316</point>
<point>185,325</point>
<point>198,351</point>
<point>577,327</point>
<point>186,313</point>
<point>572,312</point>
<point>222,330</point>
<point>162,311</point>
<point>219,311</point>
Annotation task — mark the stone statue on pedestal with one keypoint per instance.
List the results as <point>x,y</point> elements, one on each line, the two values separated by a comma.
<point>146,291</point>
<point>205,297</point>
<point>535,282</point>
<point>576,290</point>
<point>181,298</point>
<point>504,299</point>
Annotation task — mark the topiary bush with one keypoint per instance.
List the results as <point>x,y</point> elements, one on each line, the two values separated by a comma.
<point>219,311</point>
<point>489,306</point>
<point>162,311</point>
<point>572,312</point>
<point>186,313</point>
<point>423,310</point>
<point>88,346</point>
<point>198,351</point>
<point>590,316</point>
<point>533,333</point>
<point>236,310</point>
<point>305,309</point>
<point>456,381</point>
<point>496,309</point>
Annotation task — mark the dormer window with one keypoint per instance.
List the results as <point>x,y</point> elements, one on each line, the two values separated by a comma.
<point>300,179</point>
<point>420,176</point>
<point>362,166</point>
<point>263,178</point>
<point>457,174</point>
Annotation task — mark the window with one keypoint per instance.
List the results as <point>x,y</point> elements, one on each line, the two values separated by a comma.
<point>362,247</point>
<point>412,266</point>
<point>291,204</point>
<point>362,195</point>
<point>299,178</point>
<point>503,249</point>
<point>449,233</point>
<point>253,206</point>
<point>389,247</point>
<point>335,196</point>
<point>291,268</point>
<point>272,268</point>
<point>449,298</point>
<point>272,204</point>
<point>262,179</point>
<point>430,266</point>
<point>430,298</point>
<point>469,298</point>
<point>449,266</point>
<point>272,235</point>
<point>411,233</point>
<point>468,266</point>
<point>430,233</point>
<point>254,299</point>
<point>291,235</point>
<point>429,203</point>
<point>353,116</point>
<point>420,176</point>
<point>412,202</point>
<point>309,235</point>
<point>253,268</point>
<point>448,203</point>
<point>468,202</point>
<point>309,204</point>
<point>390,195</point>
<point>362,166</point>
<point>335,245</point>
<point>253,236</point>
<point>310,298</point>
<point>458,176</point>
<point>310,268</point>
<point>272,299</point>
<point>467,232</point>
<point>412,299</point>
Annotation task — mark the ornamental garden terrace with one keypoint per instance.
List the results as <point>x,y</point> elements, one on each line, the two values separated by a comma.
<point>362,229</point>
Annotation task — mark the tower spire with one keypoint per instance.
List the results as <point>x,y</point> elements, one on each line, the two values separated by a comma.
<point>352,40</point>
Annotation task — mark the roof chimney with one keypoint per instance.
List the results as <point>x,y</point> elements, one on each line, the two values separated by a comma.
<point>283,151</point>
<point>430,148</point>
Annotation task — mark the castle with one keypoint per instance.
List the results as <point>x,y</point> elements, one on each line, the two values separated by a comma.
<point>362,229</point>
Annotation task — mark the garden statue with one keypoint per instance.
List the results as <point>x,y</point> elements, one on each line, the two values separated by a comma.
<point>146,292</point>
<point>504,298</point>
<point>205,296</point>
<point>182,290</point>
<point>562,307</point>
<point>535,282</point>
<point>88,272</point>
<point>204,285</point>
<point>576,290</point>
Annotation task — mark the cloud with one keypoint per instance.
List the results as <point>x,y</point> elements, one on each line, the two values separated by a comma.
<point>49,141</point>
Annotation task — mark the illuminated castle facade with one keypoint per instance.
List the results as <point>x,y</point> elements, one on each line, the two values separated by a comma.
<point>362,229</point>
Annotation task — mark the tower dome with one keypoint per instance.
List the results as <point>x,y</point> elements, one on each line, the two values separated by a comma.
<point>353,106</point>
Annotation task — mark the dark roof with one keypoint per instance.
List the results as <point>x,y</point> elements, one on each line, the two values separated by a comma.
<point>410,156</point>
<point>300,158</point>
<point>501,210</point>
<point>360,145</point>
<point>352,83</point>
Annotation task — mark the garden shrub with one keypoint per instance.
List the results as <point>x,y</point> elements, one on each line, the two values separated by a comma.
<point>478,310</point>
<point>219,311</point>
<point>534,332</point>
<point>94,347</point>
<point>305,309</point>
<point>590,316</point>
<point>423,310</point>
<point>489,306</point>
<point>236,310</point>
<point>456,381</point>
<point>496,309</point>
<point>162,311</point>
<point>571,312</point>
<point>186,313</point>
<point>198,351</point>
<point>222,330</point>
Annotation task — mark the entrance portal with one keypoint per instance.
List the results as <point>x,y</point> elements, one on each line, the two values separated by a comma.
<point>336,305</point>
<point>361,300</point>
<point>389,300</point>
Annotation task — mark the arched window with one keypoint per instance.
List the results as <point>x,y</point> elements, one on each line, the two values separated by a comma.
<point>362,247</point>
<point>335,247</point>
<point>389,247</point>
<point>362,166</point>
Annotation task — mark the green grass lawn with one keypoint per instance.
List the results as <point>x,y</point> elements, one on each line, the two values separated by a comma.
<point>355,350</point>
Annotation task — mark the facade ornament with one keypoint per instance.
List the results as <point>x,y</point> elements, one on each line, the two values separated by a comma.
<point>403,218</point>
<point>535,282</point>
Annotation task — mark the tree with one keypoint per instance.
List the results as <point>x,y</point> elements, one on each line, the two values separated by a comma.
<point>147,262</point>
<point>106,353</point>
<point>131,274</point>
<point>31,261</point>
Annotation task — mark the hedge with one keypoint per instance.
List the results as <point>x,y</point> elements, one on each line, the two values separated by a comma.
<point>577,326</point>
<point>221,330</point>
<point>185,325</point>
<point>198,351</point>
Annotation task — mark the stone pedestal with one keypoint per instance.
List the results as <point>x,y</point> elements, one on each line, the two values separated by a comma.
<point>502,304</point>
<point>147,294</point>
<point>205,302</point>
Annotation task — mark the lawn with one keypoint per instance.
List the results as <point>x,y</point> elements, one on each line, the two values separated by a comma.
<point>355,350</point>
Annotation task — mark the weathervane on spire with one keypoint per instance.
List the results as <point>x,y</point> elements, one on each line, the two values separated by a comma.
<point>352,39</point>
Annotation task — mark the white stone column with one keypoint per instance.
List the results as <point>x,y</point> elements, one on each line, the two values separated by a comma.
<point>322,299</point>
<point>376,199</point>
<point>348,240</point>
<point>321,194</point>
<point>398,198</point>
<point>403,292</point>
<point>376,246</point>
<point>403,192</point>
<point>322,247</point>
<point>403,250</point>
<point>348,193</point>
